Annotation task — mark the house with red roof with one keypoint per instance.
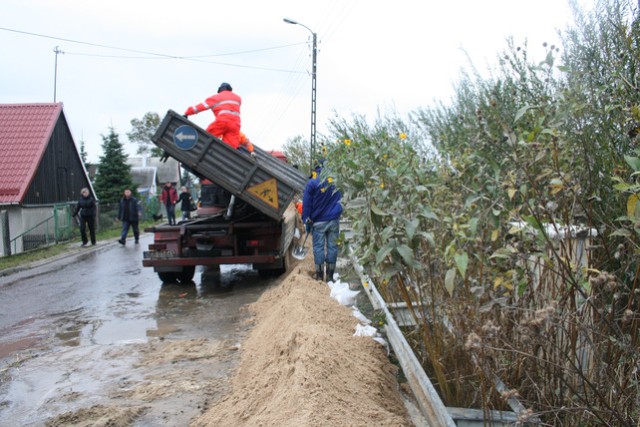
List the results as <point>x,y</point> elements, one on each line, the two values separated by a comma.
<point>41,173</point>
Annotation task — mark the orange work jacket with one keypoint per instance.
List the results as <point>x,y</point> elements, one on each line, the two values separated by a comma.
<point>223,103</point>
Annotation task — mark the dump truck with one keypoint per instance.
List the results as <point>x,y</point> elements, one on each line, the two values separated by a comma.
<point>256,225</point>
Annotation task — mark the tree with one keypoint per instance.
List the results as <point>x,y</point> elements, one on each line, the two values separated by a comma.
<point>297,151</point>
<point>114,174</point>
<point>83,156</point>
<point>142,131</point>
<point>83,153</point>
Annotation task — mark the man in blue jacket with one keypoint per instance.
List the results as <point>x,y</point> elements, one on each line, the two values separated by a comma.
<point>321,210</point>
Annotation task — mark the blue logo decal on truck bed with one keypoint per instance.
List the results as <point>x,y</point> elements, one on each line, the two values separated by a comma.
<point>185,137</point>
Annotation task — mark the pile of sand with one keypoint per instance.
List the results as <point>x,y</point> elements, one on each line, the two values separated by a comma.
<point>301,365</point>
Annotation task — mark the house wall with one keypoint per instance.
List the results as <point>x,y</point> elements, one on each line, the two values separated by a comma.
<point>30,227</point>
<point>60,175</point>
<point>15,223</point>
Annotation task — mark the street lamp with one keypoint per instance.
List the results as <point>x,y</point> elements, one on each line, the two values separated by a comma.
<point>313,91</point>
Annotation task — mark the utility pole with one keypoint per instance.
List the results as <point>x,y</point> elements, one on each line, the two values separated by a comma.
<point>56,50</point>
<point>313,101</point>
<point>314,66</point>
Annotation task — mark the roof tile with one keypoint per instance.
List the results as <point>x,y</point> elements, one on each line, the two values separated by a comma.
<point>25,130</point>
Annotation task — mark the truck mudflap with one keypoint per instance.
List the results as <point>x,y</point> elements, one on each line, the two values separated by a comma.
<point>266,183</point>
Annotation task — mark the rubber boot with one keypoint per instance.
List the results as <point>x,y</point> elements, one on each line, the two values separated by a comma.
<point>319,272</point>
<point>331,268</point>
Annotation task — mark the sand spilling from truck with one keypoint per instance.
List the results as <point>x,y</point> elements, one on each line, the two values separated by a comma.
<point>301,365</point>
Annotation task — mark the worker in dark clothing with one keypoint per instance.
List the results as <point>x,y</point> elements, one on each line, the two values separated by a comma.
<point>86,207</point>
<point>321,210</point>
<point>186,201</point>
<point>129,215</point>
<point>169,198</point>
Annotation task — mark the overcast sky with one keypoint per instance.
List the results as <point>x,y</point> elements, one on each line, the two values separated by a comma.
<point>123,58</point>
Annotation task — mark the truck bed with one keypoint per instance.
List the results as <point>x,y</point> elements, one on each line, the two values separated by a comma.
<point>267,184</point>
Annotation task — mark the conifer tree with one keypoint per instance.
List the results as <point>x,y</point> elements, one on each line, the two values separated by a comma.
<point>83,156</point>
<point>114,174</point>
<point>83,153</point>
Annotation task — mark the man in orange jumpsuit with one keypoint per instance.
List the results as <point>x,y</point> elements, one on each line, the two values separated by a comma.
<point>226,109</point>
<point>245,144</point>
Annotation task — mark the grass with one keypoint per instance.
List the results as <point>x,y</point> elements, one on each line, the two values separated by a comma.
<point>33,255</point>
<point>54,250</point>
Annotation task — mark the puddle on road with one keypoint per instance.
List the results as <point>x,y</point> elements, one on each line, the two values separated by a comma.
<point>122,331</point>
<point>63,380</point>
<point>12,347</point>
<point>94,354</point>
<point>23,336</point>
<point>132,316</point>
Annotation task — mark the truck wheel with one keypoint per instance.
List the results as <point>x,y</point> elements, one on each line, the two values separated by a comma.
<point>187,274</point>
<point>182,277</point>
<point>269,272</point>
<point>168,277</point>
<point>272,272</point>
<point>287,262</point>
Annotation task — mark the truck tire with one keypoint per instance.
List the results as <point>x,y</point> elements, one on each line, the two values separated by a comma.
<point>186,276</point>
<point>270,272</point>
<point>168,277</point>
<point>182,277</point>
<point>278,271</point>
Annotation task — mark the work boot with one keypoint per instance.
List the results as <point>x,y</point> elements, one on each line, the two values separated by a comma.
<point>319,275</point>
<point>331,268</point>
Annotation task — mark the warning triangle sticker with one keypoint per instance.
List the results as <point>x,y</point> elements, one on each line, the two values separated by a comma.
<point>267,191</point>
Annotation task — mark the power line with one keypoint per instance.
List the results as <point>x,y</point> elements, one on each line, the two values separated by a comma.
<point>291,87</point>
<point>88,43</point>
<point>152,54</point>
<point>194,59</point>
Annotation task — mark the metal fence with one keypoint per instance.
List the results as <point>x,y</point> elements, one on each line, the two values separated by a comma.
<point>43,226</point>
<point>108,212</point>
<point>54,228</point>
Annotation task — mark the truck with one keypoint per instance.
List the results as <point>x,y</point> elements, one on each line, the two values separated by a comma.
<point>256,224</point>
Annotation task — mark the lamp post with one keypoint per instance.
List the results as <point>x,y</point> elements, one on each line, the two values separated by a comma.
<point>314,65</point>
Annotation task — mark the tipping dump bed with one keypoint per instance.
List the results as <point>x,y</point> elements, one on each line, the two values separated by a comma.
<point>267,184</point>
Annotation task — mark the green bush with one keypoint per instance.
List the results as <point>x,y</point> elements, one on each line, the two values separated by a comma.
<point>509,218</point>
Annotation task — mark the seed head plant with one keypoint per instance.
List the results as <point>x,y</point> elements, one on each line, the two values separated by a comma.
<point>508,221</point>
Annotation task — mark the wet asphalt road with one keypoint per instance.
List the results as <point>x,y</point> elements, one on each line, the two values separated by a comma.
<point>56,320</point>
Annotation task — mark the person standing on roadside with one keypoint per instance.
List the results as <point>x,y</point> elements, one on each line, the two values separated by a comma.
<point>321,211</point>
<point>185,200</point>
<point>169,197</point>
<point>86,207</point>
<point>129,215</point>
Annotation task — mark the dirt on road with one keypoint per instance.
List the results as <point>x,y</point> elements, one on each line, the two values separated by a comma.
<point>299,365</point>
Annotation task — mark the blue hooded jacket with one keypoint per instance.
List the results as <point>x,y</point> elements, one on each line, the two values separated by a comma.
<point>321,201</point>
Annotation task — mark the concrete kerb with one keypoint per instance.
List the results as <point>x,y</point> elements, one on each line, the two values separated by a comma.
<point>74,251</point>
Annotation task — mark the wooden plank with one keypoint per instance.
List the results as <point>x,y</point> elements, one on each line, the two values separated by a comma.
<point>428,400</point>
<point>431,406</point>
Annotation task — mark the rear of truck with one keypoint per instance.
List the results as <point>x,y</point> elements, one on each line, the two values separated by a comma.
<point>248,238</point>
<point>256,227</point>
